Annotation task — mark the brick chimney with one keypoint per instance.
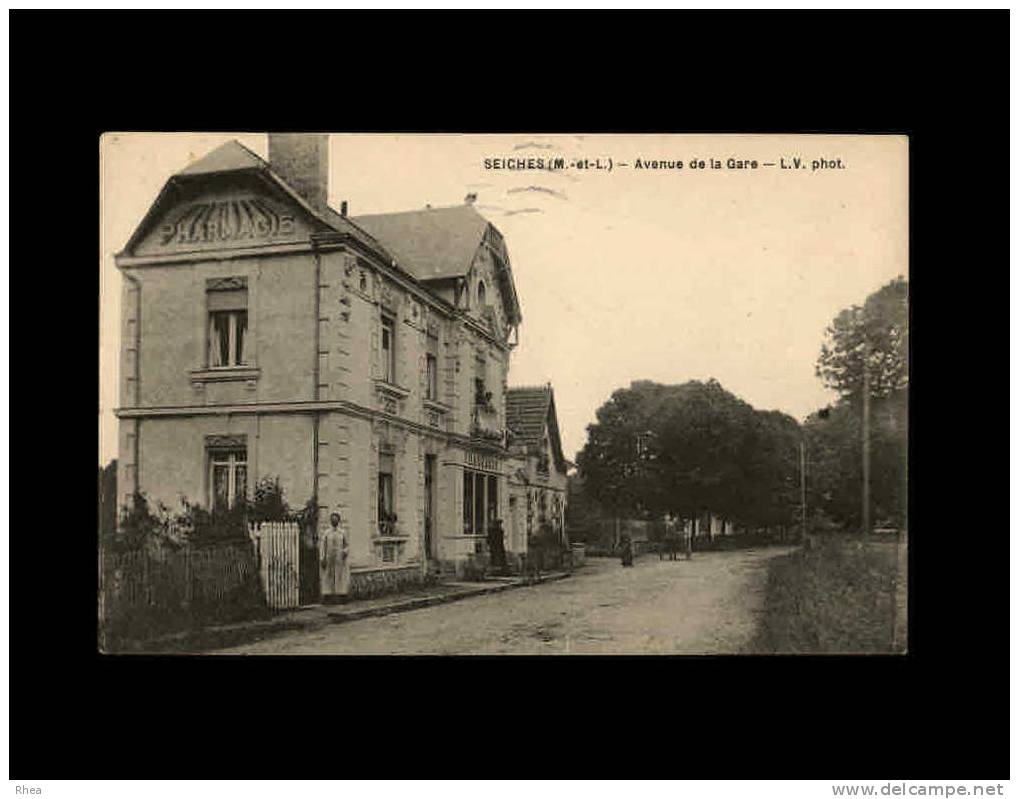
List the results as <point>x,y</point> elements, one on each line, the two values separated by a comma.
<point>302,160</point>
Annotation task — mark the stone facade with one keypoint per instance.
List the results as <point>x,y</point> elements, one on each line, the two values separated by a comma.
<point>265,337</point>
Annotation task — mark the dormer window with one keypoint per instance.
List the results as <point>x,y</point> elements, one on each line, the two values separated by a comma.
<point>481,294</point>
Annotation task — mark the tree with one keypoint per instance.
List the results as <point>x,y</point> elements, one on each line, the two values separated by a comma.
<point>769,491</point>
<point>835,461</point>
<point>108,499</point>
<point>689,449</point>
<point>875,334</point>
<point>874,338</point>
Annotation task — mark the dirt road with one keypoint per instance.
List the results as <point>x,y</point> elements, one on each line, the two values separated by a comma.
<point>704,606</point>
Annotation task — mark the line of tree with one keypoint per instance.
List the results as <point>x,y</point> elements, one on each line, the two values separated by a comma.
<point>691,449</point>
<point>695,448</point>
<point>865,346</point>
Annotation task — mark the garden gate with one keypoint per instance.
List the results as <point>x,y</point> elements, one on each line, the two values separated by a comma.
<point>278,546</point>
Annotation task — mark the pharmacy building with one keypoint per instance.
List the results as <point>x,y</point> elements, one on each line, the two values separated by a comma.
<point>361,360</point>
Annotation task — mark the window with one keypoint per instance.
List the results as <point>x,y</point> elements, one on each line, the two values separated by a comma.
<point>386,494</point>
<point>432,375</point>
<point>432,368</point>
<point>227,301</point>
<point>480,378</point>
<point>228,479</point>
<point>468,502</point>
<point>388,349</point>
<point>481,501</point>
<point>493,500</point>
<point>481,294</point>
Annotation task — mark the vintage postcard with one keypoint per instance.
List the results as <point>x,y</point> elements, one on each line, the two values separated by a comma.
<point>474,394</point>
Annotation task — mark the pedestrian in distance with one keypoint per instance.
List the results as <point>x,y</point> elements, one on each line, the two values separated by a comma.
<point>535,556</point>
<point>670,540</point>
<point>626,550</point>
<point>335,563</point>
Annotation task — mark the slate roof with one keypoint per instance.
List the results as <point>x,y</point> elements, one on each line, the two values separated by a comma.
<point>530,410</point>
<point>431,244</point>
<point>437,243</point>
<point>527,411</point>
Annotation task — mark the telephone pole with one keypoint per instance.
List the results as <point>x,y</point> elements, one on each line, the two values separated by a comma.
<point>866,443</point>
<point>803,486</point>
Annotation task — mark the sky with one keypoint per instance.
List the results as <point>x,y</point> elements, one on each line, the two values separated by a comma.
<point>623,274</point>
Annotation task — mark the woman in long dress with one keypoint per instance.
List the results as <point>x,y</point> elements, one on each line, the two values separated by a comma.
<point>333,555</point>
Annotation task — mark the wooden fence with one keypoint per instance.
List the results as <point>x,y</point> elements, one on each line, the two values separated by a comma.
<point>278,545</point>
<point>161,587</point>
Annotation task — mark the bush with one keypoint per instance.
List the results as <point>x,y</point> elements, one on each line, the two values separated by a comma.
<point>140,526</point>
<point>475,567</point>
<point>268,503</point>
<point>836,597</point>
<point>546,550</point>
<point>753,538</point>
<point>108,499</point>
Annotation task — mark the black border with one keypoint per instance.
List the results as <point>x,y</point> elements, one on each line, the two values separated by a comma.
<point>937,713</point>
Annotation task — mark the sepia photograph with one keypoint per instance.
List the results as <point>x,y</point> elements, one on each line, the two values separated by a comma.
<point>503,394</point>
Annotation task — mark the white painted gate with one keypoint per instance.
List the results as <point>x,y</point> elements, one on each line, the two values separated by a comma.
<point>278,547</point>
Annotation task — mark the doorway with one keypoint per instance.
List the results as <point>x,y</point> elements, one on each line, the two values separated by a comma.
<point>516,539</point>
<point>429,542</point>
<point>308,566</point>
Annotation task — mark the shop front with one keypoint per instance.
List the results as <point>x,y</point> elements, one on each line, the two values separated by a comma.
<point>481,501</point>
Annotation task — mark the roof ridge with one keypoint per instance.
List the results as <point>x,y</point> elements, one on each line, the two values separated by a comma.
<point>251,152</point>
<point>425,210</point>
<point>350,221</point>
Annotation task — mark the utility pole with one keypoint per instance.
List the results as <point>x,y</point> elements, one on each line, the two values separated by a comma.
<point>866,442</point>
<point>803,487</point>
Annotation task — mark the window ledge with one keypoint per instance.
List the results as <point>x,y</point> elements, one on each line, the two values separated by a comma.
<point>220,374</point>
<point>392,389</point>
<point>435,405</point>
<point>380,567</point>
<point>390,539</point>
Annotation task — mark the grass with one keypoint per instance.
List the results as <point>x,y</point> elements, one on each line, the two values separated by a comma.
<point>834,598</point>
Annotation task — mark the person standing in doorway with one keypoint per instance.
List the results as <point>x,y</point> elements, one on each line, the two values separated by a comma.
<point>333,555</point>
<point>496,546</point>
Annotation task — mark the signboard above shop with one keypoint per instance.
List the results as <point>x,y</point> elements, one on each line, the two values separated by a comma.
<point>481,461</point>
<point>241,220</point>
<point>225,219</point>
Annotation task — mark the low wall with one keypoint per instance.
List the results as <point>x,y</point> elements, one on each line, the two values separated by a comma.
<point>378,582</point>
